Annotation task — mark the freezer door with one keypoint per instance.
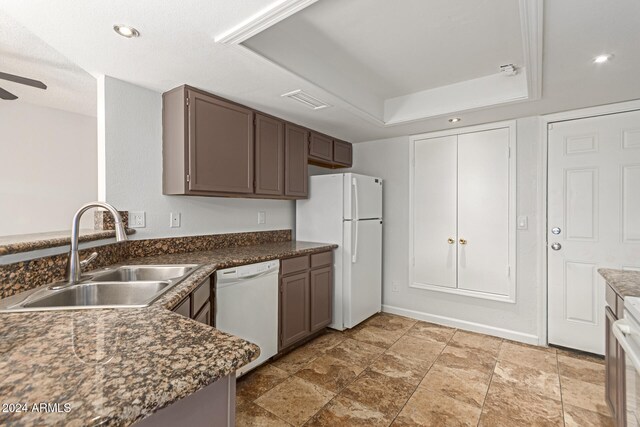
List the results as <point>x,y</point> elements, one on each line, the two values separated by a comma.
<point>362,270</point>
<point>363,197</point>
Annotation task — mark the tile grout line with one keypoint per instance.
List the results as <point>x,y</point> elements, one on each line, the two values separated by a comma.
<point>455,330</point>
<point>490,381</point>
<point>361,373</point>
<point>564,422</point>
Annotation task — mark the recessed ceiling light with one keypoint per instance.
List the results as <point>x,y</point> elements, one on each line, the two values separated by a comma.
<point>126,31</point>
<point>601,59</point>
<point>454,120</point>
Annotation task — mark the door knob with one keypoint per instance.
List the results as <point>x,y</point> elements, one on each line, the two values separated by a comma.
<point>556,230</point>
<point>556,246</point>
<point>450,241</point>
<point>463,242</point>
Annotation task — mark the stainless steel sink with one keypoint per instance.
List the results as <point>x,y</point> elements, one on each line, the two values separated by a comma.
<point>135,273</point>
<point>93,294</point>
<point>129,286</point>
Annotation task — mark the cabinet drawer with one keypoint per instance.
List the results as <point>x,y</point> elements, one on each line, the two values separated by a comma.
<point>201,295</point>
<point>184,307</point>
<point>205,315</point>
<point>293,265</point>
<point>321,259</point>
<point>611,297</point>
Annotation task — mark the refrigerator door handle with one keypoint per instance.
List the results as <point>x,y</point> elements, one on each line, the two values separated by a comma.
<point>355,194</point>
<point>354,258</point>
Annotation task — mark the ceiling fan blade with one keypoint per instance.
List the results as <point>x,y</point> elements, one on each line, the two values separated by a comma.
<point>23,80</point>
<point>7,95</point>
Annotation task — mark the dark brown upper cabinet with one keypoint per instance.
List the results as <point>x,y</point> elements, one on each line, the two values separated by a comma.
<point>215,147</point>
<point>327,152</point>
<point>207,144</point>
<point>295,171</point>
<point>342,153</point>
<point>269,147</point>
<point>320,148</point>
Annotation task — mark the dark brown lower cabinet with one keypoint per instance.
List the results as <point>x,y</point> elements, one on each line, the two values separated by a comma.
<point>306,296</point>
<point>614,362</point>
<point>197,305</point>
<point>321,286</point>
<point>294,301</point>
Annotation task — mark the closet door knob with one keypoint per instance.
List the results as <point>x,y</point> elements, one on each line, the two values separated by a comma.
<point>463,242</point>
<point>450,241</point>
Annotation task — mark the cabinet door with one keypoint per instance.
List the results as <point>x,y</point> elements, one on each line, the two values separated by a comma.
<point>611,365</point>
<point>320,147</point>
<point>269,156</point>
<point>295,151</point>
<point>220,145</point>
<point>434,212</point>
<point>483,212</point>
<point>294,306</point>
<point>342,153</point>
<point>184,308</point>
<point>205,315</point>
<point>321,291</point>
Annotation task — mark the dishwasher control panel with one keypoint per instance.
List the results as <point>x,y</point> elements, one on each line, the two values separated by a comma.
<point>249,270</point>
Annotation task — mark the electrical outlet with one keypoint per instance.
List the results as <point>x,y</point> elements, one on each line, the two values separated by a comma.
<point>174,219</point>
<point>394,287</point>
<point>137,219</point>
<point>262,217</point>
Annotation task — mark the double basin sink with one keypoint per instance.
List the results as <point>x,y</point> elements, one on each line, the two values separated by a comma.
<point>128,286</point>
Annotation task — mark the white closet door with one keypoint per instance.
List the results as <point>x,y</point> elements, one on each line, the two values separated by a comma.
<point>483,212</point>
<point>434,210</point>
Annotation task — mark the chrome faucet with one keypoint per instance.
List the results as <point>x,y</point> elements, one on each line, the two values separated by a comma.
<point>74,266</point>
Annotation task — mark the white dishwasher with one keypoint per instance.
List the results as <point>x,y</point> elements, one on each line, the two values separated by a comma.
<point>247,306</point>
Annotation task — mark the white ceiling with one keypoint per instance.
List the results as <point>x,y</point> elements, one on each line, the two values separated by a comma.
<point>177,46</point>
<point>394,51</point>
<point>22,53</point>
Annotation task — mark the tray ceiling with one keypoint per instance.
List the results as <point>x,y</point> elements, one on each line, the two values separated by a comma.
<point>199,43</point>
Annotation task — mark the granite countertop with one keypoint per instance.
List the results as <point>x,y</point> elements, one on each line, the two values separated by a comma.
<point>31,242</point>
<point>114,367</point>
<point>626,283</point>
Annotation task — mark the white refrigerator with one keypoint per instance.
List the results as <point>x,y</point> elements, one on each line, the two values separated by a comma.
<point>346,209</point>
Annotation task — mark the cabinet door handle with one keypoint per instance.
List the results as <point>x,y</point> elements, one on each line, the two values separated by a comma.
<point>450,241</point>
<point>463,242</point>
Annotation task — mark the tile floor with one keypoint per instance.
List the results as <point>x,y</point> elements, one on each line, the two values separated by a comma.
<point>392,370</point>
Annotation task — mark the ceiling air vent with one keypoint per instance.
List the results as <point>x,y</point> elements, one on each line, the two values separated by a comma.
<point>306,99</point>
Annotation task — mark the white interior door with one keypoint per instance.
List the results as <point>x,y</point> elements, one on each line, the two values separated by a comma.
<point>483,212</point>
<point>593,221</point>
<point>435,211</point>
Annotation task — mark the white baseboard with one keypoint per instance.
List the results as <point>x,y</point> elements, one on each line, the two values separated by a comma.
<point>463,324</point>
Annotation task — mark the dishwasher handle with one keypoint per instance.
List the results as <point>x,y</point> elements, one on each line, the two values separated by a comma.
<point>221,282</point>
<point>621,330</point>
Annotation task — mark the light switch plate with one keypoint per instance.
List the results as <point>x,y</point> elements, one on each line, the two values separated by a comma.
<point>174,219</point>
<point>262,217</point>
<point>523,222</point>
<point>137,219</point>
